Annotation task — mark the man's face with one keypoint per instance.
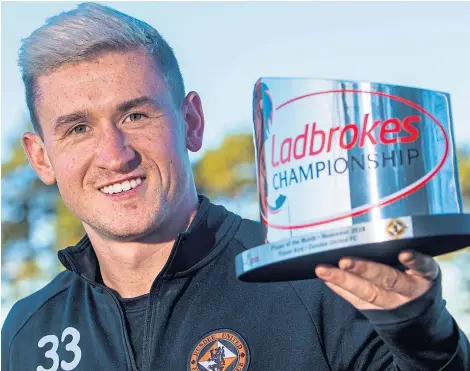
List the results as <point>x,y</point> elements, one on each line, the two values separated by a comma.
<point>116,143</point>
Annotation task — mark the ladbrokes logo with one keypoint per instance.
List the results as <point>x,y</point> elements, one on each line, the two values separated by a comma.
<point>314,142</point>
<point>298,153</point>
<point>221,350</point>
<point>391,131</point>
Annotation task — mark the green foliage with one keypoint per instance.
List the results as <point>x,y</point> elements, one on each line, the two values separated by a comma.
<point>69,229</point>
<point>18,160</point>
<point>25,202</point>
<point>464,173</point>
<point>29,269</point>
<point>227,171</point>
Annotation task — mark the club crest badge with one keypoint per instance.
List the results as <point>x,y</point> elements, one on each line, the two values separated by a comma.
<point>220,350</point>
<point>396,228</point>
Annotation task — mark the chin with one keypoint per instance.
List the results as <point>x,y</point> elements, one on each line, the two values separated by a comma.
<point>127,229</point>
<point>141,225</point>
<point>128,234</point>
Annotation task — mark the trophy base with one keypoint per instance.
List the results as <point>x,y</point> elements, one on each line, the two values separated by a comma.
<point>380,241</point>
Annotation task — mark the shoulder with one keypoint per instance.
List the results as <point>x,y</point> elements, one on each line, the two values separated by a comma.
<point>250,233</point>
<point>312,292</point>
<point>321,303</point>
<point>25,309</point>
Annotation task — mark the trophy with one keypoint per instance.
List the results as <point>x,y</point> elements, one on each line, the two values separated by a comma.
<point>351,168</point>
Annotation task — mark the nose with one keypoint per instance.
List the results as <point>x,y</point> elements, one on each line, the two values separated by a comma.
<point>114,152</point>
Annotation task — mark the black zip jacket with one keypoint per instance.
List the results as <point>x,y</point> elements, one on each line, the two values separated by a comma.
<point>200,317</point>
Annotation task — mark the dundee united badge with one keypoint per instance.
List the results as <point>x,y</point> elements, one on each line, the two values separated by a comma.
<point>220,350</point>
<point>396,228</point>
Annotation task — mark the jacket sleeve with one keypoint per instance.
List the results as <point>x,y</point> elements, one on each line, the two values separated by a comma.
<point>420,335</point>
<point>9,330</point>
<point>5,351</point>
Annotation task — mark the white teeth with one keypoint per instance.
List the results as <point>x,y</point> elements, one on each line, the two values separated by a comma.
<point>126,185</point>
<point>120,187</point>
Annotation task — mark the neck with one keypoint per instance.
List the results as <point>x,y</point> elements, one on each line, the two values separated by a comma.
<point>130,267</point>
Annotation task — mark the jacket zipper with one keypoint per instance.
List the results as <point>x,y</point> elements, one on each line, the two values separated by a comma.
<point>127,342</point>
<point>123,322</point>
<point>154,290</point>
<point>146,354</point>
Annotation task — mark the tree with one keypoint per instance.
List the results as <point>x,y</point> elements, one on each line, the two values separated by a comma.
<point>27,208</point>
<point>229,170</point>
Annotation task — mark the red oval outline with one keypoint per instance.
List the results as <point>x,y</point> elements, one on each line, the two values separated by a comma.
<point>426,178</point>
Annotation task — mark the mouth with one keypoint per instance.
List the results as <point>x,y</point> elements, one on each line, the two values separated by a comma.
<point>122,187</point>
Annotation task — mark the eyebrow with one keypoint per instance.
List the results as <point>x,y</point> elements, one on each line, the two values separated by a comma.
<point>70,118</point>
<point>126,106</point>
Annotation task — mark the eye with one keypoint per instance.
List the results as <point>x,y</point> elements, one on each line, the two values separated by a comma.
<point>79,129</point>
<point>134,117</point>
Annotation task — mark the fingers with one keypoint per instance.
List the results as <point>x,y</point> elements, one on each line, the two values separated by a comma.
<point>381,275</point>
<point>359,287</point>
<point>419,264</point>
<point>370,285</point>
<point>351,298</point>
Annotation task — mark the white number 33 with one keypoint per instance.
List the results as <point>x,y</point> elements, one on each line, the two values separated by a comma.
<point>72,346</point>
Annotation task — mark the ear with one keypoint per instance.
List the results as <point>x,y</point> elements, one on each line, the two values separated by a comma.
<point>36,152</point>
<point>194,118</point>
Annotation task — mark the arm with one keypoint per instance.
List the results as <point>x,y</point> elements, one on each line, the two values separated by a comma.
<point>421,334</point>
<point>385,319</point>
<point>5,353</point>
<point>7,334</point>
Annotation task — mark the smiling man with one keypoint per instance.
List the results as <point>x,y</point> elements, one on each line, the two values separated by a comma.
<point>152,285</point>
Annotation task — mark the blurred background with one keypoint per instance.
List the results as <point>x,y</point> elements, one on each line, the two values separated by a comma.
<point>223,48</point>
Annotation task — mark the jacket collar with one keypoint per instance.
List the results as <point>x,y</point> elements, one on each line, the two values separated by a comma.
<point>207,229</point>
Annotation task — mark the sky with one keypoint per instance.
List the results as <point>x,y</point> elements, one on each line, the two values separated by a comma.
<point>223,48</point>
